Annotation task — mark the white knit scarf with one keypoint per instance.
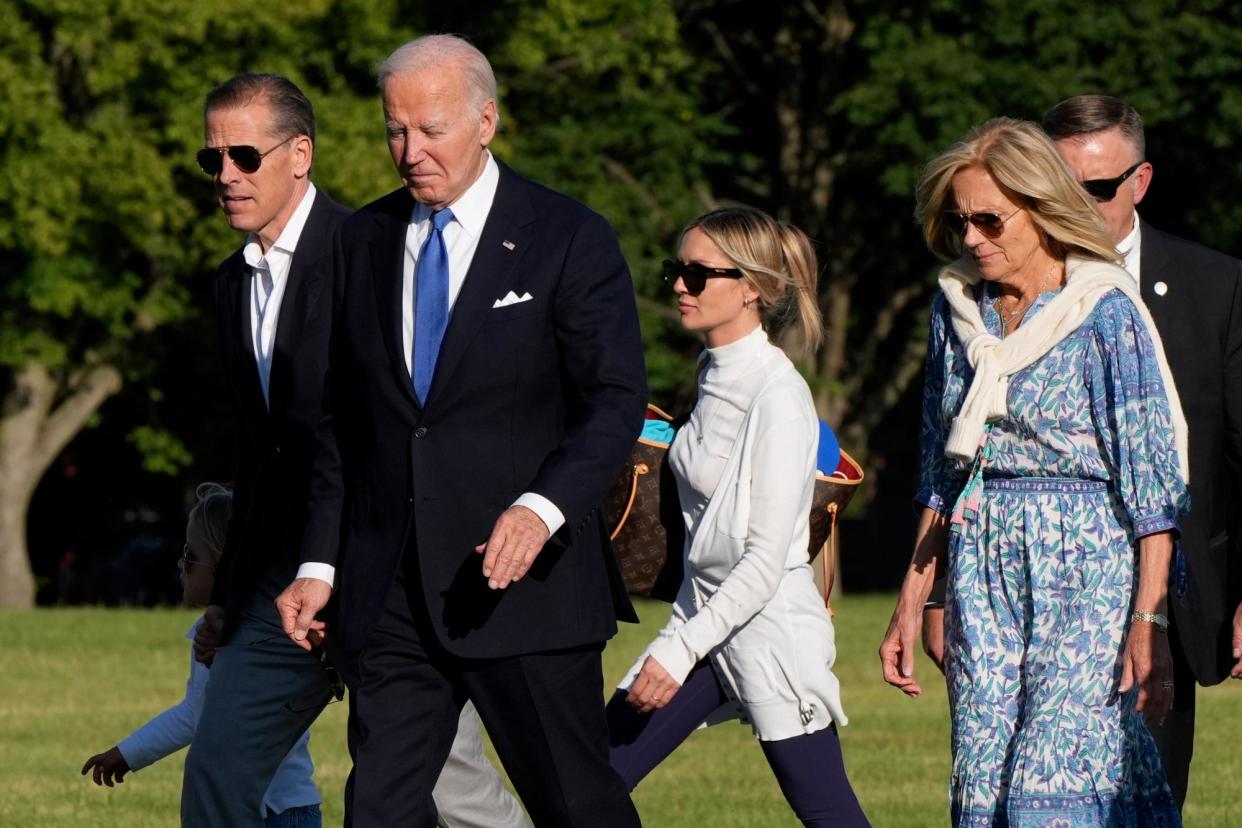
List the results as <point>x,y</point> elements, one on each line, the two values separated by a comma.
<point>996,360</point>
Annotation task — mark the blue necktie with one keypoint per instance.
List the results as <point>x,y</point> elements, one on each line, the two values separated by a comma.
<point>431,279</point>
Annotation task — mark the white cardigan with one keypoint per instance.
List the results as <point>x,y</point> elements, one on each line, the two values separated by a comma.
<point>748,600</point>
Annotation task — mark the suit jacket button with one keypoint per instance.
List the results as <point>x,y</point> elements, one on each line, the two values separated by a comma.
<point>420,432</point>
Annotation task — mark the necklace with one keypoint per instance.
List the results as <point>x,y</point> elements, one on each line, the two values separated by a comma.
<point>1020,309</point>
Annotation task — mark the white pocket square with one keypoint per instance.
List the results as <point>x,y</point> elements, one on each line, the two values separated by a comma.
<point>512,298</point>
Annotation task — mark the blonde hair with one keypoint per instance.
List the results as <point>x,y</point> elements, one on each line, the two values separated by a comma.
<point>1025,164</point>
<point>208,523</point>
<point>778,260</point>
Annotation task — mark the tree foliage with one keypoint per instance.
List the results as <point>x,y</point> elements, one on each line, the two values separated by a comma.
<point>822,112</point>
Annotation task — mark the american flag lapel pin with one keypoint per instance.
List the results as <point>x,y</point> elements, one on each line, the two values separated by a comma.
<point>508,245</point>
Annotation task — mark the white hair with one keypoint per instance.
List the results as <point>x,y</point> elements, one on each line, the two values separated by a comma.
<point>431,51</point>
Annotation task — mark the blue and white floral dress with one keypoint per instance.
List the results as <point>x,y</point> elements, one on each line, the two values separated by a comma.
<point>1041,573</point>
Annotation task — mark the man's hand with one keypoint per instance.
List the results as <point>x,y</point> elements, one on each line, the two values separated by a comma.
<point>653,688</point>
<point>1236,672</point>
<point>297,606</point>
<point>516,540</point>
<point>1148,664</point>
<point>207,637</point>
<point>108,765</point>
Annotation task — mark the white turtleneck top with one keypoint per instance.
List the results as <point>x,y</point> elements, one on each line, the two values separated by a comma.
<point>745,470</point>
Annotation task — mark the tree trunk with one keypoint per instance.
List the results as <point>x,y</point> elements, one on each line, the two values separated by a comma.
<point>40,414</point>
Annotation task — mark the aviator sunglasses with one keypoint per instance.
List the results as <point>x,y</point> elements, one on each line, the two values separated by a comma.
<point>694,275</point>
<point>990,225</point>
<point>1105,189</point>
<point>248,159</point>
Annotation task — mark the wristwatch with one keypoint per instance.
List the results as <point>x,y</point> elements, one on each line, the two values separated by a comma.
<point>1161,621</point>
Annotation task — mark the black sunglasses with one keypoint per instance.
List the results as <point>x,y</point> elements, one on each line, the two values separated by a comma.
<point>694,275</point>
<point>248,159</point>
<point>990,225</point>
<point>185,561</point>
<point>1105,189</point>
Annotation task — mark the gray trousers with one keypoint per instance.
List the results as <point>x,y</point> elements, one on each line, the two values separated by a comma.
<point>263,693</point>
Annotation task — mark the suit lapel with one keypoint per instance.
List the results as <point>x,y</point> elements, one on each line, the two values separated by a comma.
<point>387,261</point>
<point>302,287</point>
<point>250,391</point>
<point>1155,266</point>
<point>502,244</point>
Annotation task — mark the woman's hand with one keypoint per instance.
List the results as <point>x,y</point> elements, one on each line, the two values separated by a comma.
<point>1148,664</point>
<point>897,651</point>
<point>902,639</point>
<point>653,688</point>
<point>107,766</point>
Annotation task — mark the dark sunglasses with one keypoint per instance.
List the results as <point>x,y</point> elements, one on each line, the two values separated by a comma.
<point>248,159</point>
<point>694,275</point>
<point>185,561</point>
<point>989,224</point>
<point>1105,189</point>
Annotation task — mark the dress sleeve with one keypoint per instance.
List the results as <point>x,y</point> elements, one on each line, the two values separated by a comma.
<point>1132,418</point>
<point>941,479</point>
<point>171,730</point>
<point>782,470</point>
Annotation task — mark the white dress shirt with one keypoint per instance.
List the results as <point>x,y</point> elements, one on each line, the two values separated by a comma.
<point>1131,250</point>
<point>270,273</point>
<point>461,239</point>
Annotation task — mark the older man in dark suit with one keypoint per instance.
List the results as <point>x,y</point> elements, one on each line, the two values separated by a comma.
<point>487,383</point>
<point>1195,298</point>
<point>274,306</point>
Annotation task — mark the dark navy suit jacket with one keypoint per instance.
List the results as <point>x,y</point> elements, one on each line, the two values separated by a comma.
<point>542,396</point>
<point>276,441</point>
<point>1199,316</point>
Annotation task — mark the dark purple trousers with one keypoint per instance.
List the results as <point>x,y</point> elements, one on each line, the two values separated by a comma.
<point>809,768</point>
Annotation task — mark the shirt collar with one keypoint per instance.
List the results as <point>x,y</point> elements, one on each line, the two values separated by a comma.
<point>287,241</point>
<point>1127,244</point>
<point>471,208</point>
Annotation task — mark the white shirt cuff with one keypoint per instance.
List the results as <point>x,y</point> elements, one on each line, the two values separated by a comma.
<point>546,509</point>
<point>318,571</point>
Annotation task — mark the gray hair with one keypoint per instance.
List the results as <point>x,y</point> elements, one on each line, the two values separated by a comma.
<point>431,51</point>
<point>1085,114</point>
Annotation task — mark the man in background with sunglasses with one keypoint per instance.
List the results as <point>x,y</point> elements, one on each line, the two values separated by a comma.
<point>274,305</point>
<point>1195,298</point>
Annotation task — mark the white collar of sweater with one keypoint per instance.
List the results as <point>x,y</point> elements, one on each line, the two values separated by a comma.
<point>740,351</point>
<point>995,360</point>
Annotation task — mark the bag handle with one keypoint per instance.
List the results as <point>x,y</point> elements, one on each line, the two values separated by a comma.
<point>635,471</point>
<point>828,558</point>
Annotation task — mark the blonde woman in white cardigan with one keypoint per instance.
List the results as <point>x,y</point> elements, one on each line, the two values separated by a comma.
<point>748,629</point>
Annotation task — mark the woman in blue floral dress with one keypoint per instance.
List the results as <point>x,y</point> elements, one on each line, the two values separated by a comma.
<point>1052,482</point>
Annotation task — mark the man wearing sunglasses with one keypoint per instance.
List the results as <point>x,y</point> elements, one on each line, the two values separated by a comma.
<point>258,148</point>
<point>274,299</point>
<point>1195,298</point>
<point>488,385</point>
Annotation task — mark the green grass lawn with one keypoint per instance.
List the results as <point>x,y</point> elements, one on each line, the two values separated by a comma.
<point>75,681</point>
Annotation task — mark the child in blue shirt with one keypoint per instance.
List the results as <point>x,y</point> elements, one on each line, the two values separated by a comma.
<point>291,801</point>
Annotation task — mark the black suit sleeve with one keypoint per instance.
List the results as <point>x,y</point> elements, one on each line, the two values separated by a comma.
<point>322,535</point>
<point>600,349</point>
<point>222,582</point>
<point>1233,384</point>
